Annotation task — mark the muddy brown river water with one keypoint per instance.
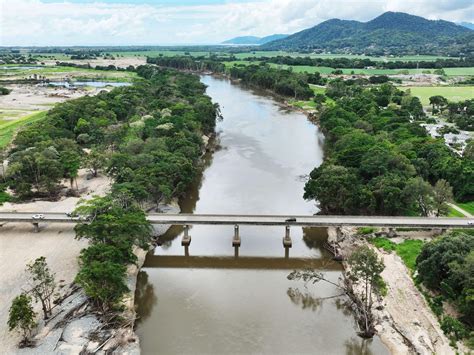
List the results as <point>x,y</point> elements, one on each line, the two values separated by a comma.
<point>212,303</point>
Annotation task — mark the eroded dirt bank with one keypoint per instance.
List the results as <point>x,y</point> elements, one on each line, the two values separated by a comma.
<point>405,323</point>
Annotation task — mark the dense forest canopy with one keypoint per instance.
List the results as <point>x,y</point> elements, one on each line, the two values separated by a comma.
<point>146,136</point>
<point>379,159</point>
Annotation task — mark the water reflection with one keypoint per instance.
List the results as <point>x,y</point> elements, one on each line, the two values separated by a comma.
<point>145,297</point>
<point>305,300</point>
<point>358,346</point>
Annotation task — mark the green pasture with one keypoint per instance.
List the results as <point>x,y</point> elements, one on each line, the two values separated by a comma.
<point>9,127</point>
<point>452,93</point>
<point>467,206</point>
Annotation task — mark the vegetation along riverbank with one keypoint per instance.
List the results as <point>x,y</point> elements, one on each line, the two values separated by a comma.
<point>148,139</point>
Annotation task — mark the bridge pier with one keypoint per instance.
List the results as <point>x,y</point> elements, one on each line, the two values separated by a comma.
<point>287,243</point>
<point>236,241</point>
<point>186,241</point>
<point>36,227</point>
<point>339,234</point>
<point>391,233</point>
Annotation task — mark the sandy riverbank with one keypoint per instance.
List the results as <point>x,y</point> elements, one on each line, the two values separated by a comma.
<point>405,323</point>
<point>19,245</point>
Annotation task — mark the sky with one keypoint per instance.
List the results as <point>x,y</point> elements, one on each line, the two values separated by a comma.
<point>173,22</point>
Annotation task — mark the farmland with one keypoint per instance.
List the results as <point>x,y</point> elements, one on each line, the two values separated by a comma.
<point>452,93</point>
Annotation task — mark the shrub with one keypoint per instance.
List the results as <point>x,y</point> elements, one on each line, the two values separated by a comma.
<point>453,328</point>
<point>21,316</point>
<point>4,91</point>
<point>365,230</point>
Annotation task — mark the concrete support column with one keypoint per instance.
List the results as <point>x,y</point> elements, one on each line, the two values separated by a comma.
<point>338,234</point>
<point>186,237</point>
<point>391,233</point>
<point>287,241</point>
<point>36,227</point>
<point>236,241</point>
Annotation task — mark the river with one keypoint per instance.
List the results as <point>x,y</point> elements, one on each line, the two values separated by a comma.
<point>209,302</point>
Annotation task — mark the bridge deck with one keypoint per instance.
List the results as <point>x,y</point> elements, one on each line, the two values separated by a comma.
<point>265,220</point>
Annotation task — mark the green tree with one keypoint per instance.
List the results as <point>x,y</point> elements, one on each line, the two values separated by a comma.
<point>442,194</point>
<point>335,187</point>
<point>119,254</point>
<point>319,99</point>
<point>438,101</point>
<point>444,264</point>
<point>37,168</point>
<point>22,316</point>
<point>365,270</point>
<point>71,162</point>
<point>104,283</point>
<point>113,220</point>
<point>41,284</point>
<point>421,193</point>
<point>94,161</point>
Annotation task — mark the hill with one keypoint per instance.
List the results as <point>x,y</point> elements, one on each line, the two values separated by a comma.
<point>253,40</point>
<point>389,33</point>
<point>469,25</point>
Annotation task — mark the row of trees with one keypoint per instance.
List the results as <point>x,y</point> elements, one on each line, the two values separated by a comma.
<point>114,225</point>
<point>361,63</point>
<point>188,63</point>
<point>379,160</point>
<point>281,82</point>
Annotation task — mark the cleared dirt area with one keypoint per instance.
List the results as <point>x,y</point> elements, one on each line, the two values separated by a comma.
<point>19,245</point>
<point>26,99</point>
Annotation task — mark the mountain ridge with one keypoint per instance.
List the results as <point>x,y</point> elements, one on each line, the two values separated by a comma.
<point>388,33</point>
<point>254,40</point>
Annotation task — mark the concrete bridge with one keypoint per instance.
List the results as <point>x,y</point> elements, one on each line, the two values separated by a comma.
<point>263,220</point>
<point>287,221</point>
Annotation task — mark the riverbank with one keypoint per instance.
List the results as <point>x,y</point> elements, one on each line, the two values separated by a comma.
<point>404,320</point>
<point>20,245</point>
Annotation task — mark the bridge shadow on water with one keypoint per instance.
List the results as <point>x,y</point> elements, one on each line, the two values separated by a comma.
<point>241,262</point>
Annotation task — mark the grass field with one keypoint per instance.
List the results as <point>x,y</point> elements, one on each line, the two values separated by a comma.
<point>467,206</point>
<point>454,213</point>
<point>452,93</point>
<point>408,250</point>
<point>9,127</point>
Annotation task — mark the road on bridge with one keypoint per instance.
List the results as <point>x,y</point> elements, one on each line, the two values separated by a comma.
<point>264,220</point>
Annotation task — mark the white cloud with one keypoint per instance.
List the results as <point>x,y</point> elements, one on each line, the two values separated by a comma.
<point>31,22</point>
